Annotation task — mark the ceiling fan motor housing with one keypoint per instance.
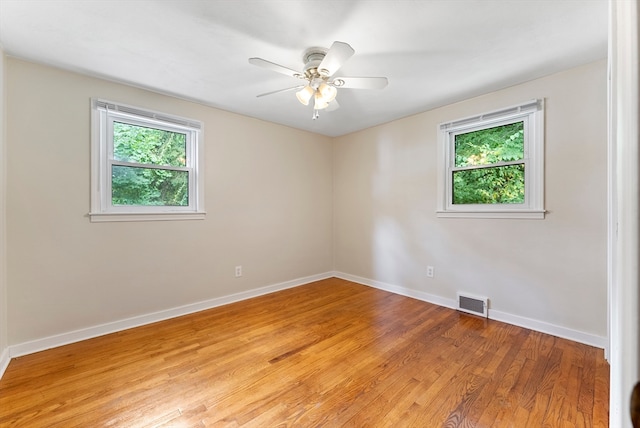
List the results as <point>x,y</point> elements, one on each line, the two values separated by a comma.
<point>312,58</point>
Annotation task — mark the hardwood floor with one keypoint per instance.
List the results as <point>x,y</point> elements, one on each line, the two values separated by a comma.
<point>330,353</point>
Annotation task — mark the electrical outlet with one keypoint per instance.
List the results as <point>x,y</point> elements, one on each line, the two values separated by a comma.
<point>238,271</point>
<point>430,271</point>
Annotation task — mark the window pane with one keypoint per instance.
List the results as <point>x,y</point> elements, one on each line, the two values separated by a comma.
<point>487,146</point>
<point>498,185</point>
<point>140,144</point>
<point>149,186</point>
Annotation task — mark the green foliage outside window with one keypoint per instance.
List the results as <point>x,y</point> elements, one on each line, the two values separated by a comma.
<point>480,183</point>
<point>145,185</point>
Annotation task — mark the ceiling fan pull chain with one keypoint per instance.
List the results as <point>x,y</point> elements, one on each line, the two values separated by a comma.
<point>316,114</point>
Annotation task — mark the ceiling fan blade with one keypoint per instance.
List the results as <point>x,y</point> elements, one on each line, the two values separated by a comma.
<point>280,90</point>
<point>275,67</point>
<point>361,82</point>
<point>338,54</point>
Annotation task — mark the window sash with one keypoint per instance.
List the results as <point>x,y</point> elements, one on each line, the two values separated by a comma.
<point>493,166</point>
<point>111,132</point>
<point>117,117</point>
<point>131,206</point>
<point>124,118</point>
<point>467,128</point>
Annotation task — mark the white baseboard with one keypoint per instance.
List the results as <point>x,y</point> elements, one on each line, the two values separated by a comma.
<point>112,327</point>
<point>531,324</point>
<point>409,292</point>
<point>552,329</point>
<point>4,361</point>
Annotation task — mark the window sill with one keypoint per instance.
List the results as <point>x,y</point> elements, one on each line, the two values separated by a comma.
<point>512,214</point>
<point>110,217</point>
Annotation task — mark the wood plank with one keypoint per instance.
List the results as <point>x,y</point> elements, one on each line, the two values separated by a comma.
<point>330,353</point>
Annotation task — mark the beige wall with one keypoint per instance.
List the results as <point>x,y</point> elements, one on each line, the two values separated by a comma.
<point>551,270</point>
<point>268,202</point>
<point>288,204</point>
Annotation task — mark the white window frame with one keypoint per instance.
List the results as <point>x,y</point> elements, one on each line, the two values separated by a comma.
<point>103,114</point>
<point>532,114</point>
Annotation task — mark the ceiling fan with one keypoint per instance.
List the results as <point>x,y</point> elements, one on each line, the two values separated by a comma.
<point>320,66</point>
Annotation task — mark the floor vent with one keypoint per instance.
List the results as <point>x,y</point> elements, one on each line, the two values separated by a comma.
<point>473,304</point>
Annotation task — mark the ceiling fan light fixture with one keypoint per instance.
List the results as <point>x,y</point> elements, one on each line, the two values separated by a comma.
<point>305,94</point>
<point>320,103</point>
<point>328,92</point>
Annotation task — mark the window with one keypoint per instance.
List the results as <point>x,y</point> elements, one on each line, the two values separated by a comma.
<point>492,164</point>
<point>145,165</point>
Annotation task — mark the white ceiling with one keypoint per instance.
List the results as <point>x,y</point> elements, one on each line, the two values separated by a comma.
<point>434,52</point>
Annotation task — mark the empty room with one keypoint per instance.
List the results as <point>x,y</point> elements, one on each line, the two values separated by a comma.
<point>318,213</point>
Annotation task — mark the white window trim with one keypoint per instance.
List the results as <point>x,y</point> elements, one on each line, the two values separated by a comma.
<point>102,115</point>
<point>532,112</point>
